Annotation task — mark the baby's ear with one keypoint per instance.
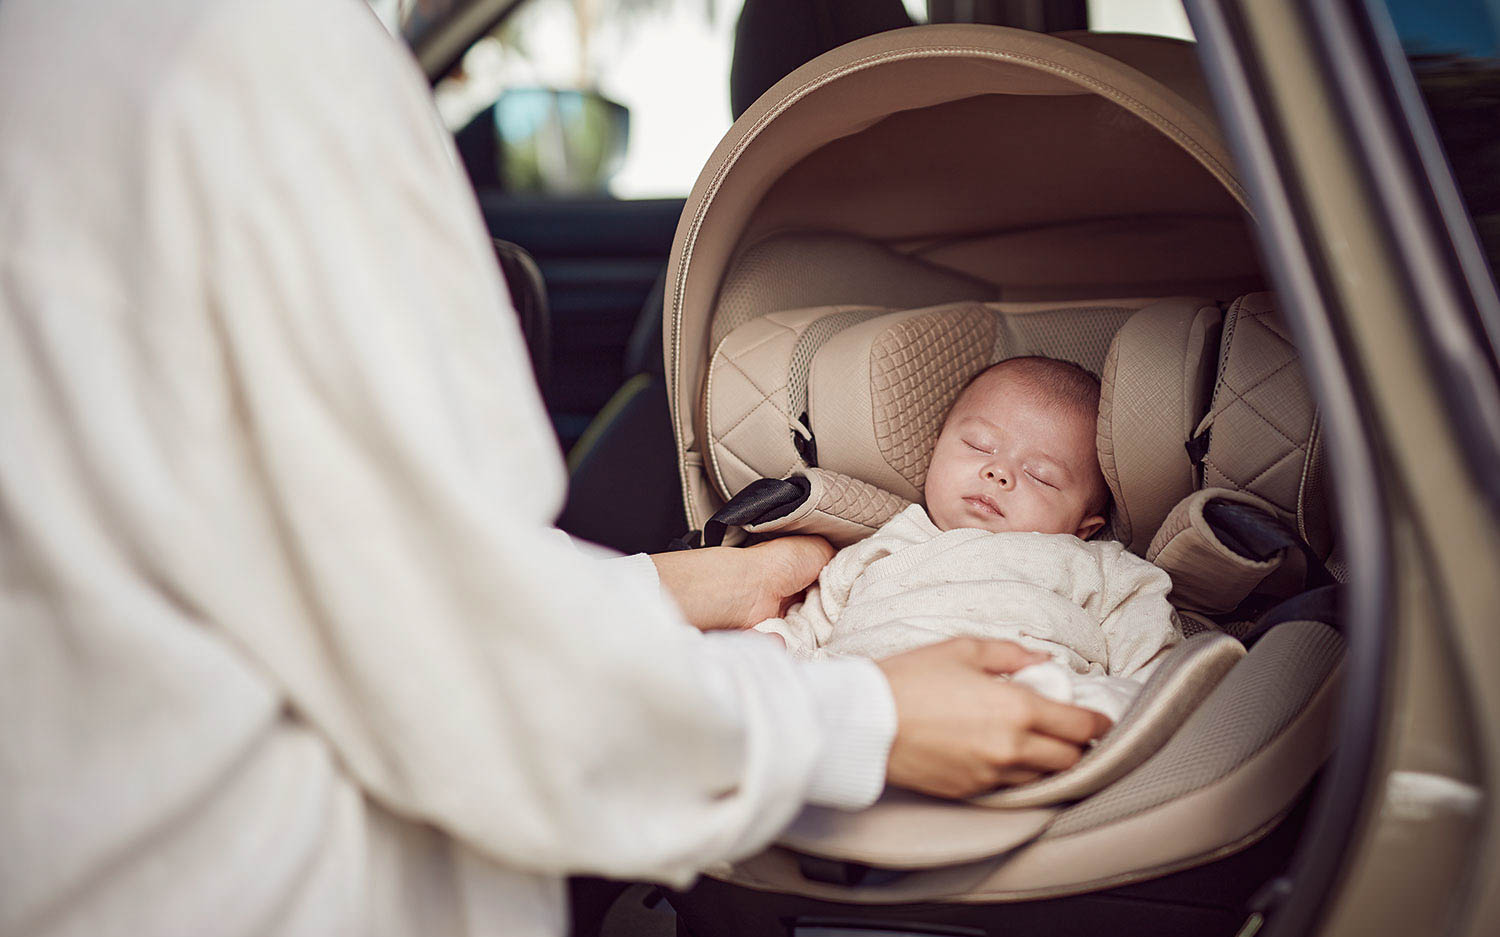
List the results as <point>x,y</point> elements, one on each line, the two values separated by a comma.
<point>1089,527</point>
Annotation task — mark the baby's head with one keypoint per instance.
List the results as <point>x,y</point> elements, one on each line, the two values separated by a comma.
<point>1017,452</point>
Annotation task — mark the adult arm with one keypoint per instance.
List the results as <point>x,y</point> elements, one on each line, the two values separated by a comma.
<point>382,542</point>
<point>729,588</point>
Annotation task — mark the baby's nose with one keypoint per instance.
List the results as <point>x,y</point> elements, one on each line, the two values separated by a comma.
<point>998,475</point>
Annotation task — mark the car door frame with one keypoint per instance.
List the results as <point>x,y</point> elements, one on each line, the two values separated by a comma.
<point>1371,293</point>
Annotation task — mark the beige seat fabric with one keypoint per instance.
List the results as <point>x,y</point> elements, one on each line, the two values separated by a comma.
<point>1159,367</point>
<point>1155,388</point>
<point>1261,395</point>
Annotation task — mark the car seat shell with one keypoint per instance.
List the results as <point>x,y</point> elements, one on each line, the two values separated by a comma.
<point>1108,193</point>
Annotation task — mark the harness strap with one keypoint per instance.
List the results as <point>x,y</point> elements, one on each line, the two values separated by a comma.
<point>1256,535</point>
<point>762,500</point>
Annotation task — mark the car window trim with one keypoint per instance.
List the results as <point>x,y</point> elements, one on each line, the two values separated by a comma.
<point>1456,296</point>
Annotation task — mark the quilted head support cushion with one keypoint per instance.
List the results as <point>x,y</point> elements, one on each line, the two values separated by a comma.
<point>864,390</point>
<point>1155,387</point>
<point>1262,434</point>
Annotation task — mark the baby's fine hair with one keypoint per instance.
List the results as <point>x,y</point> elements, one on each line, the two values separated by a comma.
<point>1051,379</point>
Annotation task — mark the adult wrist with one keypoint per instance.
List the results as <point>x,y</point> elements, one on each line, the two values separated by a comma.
<point>857,718</point>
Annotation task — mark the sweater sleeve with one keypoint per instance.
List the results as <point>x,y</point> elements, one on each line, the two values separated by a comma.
<point>395,575</point>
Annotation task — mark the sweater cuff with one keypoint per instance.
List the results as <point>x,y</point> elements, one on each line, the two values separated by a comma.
<point>857,716</point>
<point>638,567</point>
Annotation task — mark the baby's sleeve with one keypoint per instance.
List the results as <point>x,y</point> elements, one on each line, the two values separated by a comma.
<point>804,628</point>
<point>1137,621</point>
<point>809,624</point>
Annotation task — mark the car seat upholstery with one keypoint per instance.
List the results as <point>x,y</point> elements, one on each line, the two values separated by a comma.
<point>888,220</point>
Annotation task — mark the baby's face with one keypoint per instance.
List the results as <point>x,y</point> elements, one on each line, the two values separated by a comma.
<point>1007,460</point>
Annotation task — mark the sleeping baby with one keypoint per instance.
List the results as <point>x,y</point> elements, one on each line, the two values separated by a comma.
<point>1001,551</point>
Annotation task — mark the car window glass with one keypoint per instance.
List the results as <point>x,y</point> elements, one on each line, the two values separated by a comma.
<point>664,63</point>
<point>1453,49</point>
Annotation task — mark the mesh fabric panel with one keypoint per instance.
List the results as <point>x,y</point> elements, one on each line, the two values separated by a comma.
<point>1080,335</point>
<point>807,346</point>
<point>1259,698</point>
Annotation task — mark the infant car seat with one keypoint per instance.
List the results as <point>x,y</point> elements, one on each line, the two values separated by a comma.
<point>879,226</point>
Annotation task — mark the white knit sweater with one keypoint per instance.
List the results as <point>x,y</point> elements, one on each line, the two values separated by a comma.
<point>1099,611</point>
<point>287,645</point>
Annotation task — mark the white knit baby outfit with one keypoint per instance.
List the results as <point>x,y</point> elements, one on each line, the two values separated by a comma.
<point>1097,610</point>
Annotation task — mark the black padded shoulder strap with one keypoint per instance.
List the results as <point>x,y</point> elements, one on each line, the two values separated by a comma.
<point>762,500</point>
<point>1257,535</point>
<point>1254,534</point>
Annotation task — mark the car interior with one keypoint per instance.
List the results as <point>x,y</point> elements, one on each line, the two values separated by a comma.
<point>896,207</point>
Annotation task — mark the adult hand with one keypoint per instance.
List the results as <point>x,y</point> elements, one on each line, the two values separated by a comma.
<point>732,587</point>
<point>961,732</point>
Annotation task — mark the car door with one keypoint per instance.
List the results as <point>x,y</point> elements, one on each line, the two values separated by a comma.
<point>1369,134</point>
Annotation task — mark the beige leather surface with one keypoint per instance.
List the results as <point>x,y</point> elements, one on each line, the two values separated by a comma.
<point>1218,785</point>
<point>1263,424</point>
<point>1130,256</point>
<point>749,412</point>
<point>796,269</point>
<point>1136,152</point>
<point>1155,387</point>
<point>909,831</point>
<point>886,833</point>
<point>1180,683</point>
<point>1207,576</point>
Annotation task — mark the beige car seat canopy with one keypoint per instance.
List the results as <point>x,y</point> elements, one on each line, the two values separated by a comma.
<point>936,164</point>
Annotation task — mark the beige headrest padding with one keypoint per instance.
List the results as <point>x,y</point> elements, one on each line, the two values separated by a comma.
<point>878,392</point>
<point>874,384</point>
<point>1262,430</point>
<point>757,391</point>
<point>1156,385</point>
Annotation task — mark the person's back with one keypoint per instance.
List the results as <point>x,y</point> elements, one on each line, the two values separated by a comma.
<point>166,765</point>
<point>153,780</point>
